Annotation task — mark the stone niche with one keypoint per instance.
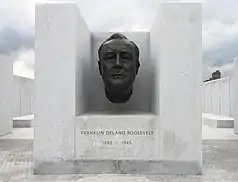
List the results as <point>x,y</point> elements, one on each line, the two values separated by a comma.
<point>77,130</point>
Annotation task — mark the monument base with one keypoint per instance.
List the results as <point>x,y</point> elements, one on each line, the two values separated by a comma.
<point>117,143</point>
<point>118,167</point>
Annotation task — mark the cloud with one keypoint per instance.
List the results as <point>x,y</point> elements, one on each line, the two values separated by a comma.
<point>222,54</point>
<point>225,11</point>
<point>11,40</point>
<point>17,14</point>
<point>16,25</point>
<point>17,34</point>
<point>220,34</point>
<point>24,64</point>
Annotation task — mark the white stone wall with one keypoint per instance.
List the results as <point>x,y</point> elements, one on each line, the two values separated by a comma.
<point>6,87</point>
<point>23,96</point>
<point>217,97</point>
<point>62,40</point>
<point>235,95</point>
<point>176,40</point>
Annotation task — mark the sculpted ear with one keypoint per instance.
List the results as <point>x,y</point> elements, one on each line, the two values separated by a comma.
<point>137,66</point>
<point>99,66</point>
<point>137,53</point>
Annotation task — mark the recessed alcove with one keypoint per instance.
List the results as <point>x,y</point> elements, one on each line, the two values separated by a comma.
<point>92,86</point>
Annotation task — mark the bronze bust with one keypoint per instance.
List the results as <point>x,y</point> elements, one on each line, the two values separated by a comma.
<point>118,65</point>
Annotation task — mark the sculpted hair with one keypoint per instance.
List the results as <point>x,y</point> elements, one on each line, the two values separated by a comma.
<point>120,36</point>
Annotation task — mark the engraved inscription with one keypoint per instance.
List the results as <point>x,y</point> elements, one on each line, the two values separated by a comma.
<point>126,142</point>
<point>107,142</point>
<point>115,138</point>
<point>110,142</point>
<point>112,132</point>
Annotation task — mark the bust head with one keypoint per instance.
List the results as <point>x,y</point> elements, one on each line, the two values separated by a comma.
<point>118,65</point>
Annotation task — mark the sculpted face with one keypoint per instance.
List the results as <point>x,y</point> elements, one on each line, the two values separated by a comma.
<point>118,66</point>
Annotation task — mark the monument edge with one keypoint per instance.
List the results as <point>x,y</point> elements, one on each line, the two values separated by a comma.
<point>118,167</point>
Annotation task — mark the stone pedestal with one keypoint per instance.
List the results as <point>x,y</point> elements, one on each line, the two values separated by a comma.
<point>235,95</point>
<point>157,131</point>
<point>6,86</point>
<point>128,136</point>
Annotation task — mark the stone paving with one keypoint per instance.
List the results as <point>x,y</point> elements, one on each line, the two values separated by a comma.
<point>220,165</point>
<point>220,161</point>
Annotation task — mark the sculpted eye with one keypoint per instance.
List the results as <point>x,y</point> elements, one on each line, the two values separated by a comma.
<point>126,55</point>
<point>109,56</point>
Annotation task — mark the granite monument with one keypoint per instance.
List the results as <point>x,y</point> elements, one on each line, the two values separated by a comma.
<point>74,134</point>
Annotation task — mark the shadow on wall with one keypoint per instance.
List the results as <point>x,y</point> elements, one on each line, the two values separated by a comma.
<point>93,88</point>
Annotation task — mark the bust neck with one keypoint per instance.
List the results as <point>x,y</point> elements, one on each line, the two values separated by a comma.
<point>118,96</point>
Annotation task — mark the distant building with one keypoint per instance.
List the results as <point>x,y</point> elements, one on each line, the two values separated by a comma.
<point>215,75</point>
<point>23,96</point>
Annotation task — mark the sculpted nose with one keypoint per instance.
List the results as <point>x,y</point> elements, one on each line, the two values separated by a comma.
<point>118,59</point>
<point>118,65</point>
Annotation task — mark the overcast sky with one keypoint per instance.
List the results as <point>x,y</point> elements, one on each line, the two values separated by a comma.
<point>220,28</point>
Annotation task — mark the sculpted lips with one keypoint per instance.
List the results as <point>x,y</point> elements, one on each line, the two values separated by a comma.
<point>117,75</point>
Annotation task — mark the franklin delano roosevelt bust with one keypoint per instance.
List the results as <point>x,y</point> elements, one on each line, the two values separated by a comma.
<point>118,65</point>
